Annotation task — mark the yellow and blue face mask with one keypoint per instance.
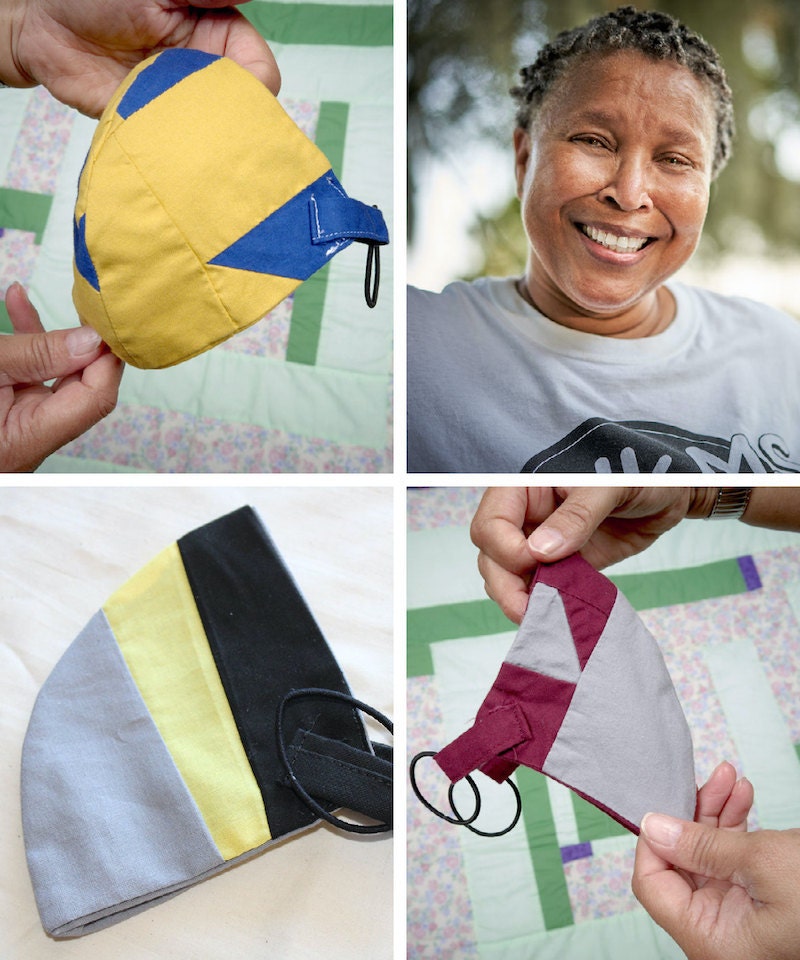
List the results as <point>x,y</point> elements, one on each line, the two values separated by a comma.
<point>198,718</point>
<point>201,205</point>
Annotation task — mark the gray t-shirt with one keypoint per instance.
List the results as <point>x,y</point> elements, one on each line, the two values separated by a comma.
<point>496,387</point>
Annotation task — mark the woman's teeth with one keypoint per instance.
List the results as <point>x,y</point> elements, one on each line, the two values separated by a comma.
<point>612,242</point>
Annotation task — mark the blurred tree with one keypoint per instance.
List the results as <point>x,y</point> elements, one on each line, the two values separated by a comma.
<point>464,55</point>
<point>461,63</point>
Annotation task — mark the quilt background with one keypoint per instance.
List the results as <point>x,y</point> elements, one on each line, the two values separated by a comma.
<point>723,601</point>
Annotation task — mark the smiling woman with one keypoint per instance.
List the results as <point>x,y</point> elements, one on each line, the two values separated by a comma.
<point>613,196</point>
<point>594,360</point>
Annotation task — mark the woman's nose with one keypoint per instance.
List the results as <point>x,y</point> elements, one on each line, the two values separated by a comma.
<point>628,187</point>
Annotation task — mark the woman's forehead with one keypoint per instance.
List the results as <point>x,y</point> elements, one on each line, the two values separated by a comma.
<point>627,84</point>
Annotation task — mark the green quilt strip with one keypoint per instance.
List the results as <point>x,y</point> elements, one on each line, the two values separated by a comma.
<point>540,831</point>
<point>427,625</point>
<point>475,618</point>
<point>364,25</point>
<point>23,210</point>
<point>309,298</point>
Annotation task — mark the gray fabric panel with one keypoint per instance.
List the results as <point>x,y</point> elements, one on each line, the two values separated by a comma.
<point>625,740</point>
<point>544,641</point>
<point>107,818</point>
<point>106,918</point>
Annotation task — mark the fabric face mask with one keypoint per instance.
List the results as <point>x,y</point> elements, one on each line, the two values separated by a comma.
<point>583,696</point>
<point>202,205</point>
<point>198,718</point>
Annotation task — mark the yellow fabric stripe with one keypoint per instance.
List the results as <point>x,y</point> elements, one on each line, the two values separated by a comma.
<point>162,639</point>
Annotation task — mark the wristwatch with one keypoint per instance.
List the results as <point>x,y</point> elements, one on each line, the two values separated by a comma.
<point>730,504</point>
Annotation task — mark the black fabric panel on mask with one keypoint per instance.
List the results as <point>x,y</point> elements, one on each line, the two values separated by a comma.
<point>265,643</point>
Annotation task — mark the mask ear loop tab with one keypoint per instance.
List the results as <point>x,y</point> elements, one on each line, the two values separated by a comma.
<point>294,782</point>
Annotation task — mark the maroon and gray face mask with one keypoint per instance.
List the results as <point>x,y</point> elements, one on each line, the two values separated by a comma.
<point>583,696</point>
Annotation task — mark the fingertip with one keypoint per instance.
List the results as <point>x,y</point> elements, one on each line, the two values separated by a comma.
<point>16,296</point>
<point>545,543</point>
<point>743,788</point>
<point>512,603</point>
<point>273,79</point>
<point>82,341</point>
<point>722,777</point>
<point>515,611</point>
<point>661,829</point>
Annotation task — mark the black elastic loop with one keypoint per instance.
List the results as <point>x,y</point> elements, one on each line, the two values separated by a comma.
<point>490,833</point>
<point>460,822</point>
<point>310,802</point>
<point>371,289</point>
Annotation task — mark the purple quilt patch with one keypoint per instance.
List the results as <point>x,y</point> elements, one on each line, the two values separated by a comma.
<point>750,573</point>
<point>575,851</point>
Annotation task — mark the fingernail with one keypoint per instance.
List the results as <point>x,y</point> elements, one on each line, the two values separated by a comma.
<point>545,541</point>
<point>82,340</point>
<point>661,829</point>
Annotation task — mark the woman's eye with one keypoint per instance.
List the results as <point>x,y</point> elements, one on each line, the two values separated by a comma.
<point>590,141</point>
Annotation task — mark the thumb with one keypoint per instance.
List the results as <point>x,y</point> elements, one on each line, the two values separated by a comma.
<point>699,849</point>
<point>36,357</point>
<point>568,528</point>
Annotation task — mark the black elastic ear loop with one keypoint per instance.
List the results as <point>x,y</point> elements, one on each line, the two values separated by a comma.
<point>371,289</point>
<point>310,802</point>
<point>460,821</point>
<point>490,833</point>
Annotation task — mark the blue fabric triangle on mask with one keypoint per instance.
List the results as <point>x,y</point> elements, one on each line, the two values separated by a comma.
<point>302,235</point>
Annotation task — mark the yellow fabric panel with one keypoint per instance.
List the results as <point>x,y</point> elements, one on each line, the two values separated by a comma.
<point>245,291</point>
<point>161,636</point>
<point>174,290</point>
<point>215,109</point>
<point>107,125</point>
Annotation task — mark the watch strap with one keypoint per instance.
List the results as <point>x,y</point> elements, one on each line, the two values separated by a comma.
<point>731,503</point>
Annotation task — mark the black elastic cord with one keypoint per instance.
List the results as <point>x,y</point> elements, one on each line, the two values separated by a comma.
<point>490,833</point>
<point>458,820</point>
<point>372,275</point>
<point>311,803</point>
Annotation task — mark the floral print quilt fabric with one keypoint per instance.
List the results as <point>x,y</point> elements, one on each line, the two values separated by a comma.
<point>725,611</point>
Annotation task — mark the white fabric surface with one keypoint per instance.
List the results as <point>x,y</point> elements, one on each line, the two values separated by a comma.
<point>322,894</point>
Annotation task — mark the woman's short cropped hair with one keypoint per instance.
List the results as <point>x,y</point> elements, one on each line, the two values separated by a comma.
<point>654,34</point>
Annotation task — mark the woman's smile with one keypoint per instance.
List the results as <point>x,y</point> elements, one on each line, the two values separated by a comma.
<point>618,240</point>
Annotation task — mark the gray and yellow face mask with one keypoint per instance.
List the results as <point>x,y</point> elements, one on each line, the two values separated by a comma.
<point>198,718</point>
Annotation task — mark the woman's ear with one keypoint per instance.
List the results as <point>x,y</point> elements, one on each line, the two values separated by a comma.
<point>522,154</point>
